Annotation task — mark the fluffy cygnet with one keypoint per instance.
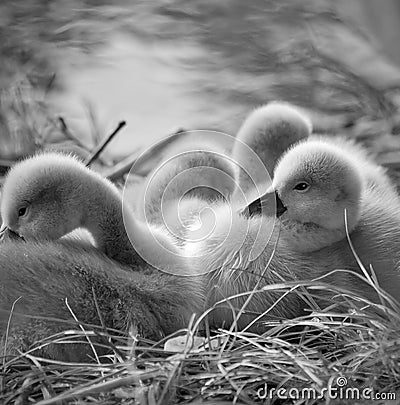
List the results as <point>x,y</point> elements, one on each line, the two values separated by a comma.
<point>49,195</point>
<point>44,198</point>
<point>268,131</point>
<point>314,183</point>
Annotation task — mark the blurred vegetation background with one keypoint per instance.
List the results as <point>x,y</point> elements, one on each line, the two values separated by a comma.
<point>200,64</point>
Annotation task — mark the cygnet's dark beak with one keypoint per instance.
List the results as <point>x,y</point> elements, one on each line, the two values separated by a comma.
<point>3,231</point>
<point>8,234</point>
<point>269,205</point>
<point>254,208</point>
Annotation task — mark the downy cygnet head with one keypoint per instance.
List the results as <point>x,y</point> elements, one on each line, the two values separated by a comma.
<point>39,199</point>
<point>315,185</point>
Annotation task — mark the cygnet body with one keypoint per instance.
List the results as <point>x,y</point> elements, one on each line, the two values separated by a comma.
<point>38,277</point>
<point>242,255</point>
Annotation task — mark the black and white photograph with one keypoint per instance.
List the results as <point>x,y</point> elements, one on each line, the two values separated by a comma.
<point>200,202</point>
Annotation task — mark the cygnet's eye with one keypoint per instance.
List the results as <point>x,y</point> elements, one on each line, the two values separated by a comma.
<point>301,186</point>
<point>22,211</point>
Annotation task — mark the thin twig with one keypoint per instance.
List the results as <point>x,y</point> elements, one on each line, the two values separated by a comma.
<point>104,143</point>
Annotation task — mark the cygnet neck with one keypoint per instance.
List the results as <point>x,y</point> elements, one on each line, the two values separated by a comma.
<point>308,237</point>
<point>124,238</point>
<point>103,218</point>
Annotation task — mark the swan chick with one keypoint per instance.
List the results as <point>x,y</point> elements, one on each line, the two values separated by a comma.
<point>297,231</point>
<point>50,195</point>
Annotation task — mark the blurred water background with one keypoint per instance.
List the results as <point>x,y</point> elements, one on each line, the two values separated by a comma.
<point>202,64</point>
